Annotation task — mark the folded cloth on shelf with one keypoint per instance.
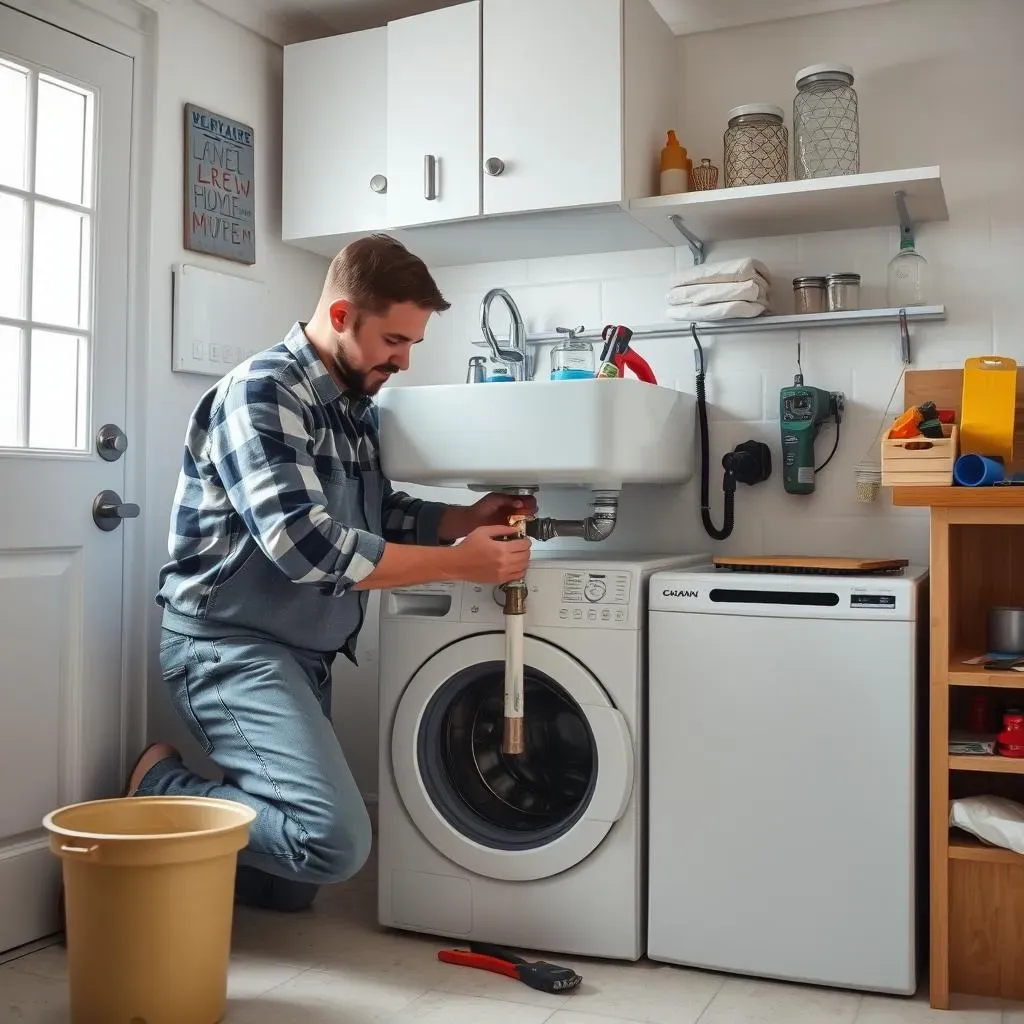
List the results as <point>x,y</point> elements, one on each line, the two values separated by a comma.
<point>716,311</point>
<point>743,269</point>
<point>725,291</point>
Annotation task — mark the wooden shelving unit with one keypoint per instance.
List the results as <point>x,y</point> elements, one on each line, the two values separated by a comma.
<point>977,891</point>
<point>985,763</point>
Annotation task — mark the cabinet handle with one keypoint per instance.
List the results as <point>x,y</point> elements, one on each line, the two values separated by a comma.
<point>379,184</point>
<point>493,166</point>
<point>429,177</point>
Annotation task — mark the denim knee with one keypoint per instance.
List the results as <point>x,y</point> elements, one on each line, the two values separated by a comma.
<point>337,845</point>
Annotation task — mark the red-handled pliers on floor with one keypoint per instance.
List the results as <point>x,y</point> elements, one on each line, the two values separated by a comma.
<point>539,974</point>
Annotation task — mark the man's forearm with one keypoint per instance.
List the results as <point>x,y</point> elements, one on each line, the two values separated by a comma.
<point>405,565</point>
<point>455,523</point>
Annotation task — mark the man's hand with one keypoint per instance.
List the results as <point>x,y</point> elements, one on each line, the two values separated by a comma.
<point>485,557</point>
<point>491,510</point>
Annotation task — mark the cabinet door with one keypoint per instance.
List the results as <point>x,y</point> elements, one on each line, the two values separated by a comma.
<point>433,120</point>
<point>335,135</point>
<point>552,100</point>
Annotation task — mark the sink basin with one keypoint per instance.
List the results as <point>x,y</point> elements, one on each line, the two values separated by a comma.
<point>594,433</point>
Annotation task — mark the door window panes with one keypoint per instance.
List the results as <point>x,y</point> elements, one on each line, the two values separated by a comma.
<point>47,205</point>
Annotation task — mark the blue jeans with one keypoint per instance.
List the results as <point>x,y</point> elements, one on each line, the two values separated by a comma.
<point>261,711</point>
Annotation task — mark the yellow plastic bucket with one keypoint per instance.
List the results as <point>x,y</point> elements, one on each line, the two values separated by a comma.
<point>148,894</point>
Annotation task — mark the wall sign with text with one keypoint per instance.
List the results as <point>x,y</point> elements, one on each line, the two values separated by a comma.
<point>220,211</point>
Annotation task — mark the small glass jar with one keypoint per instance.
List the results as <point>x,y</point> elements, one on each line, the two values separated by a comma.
<point>809,295</point>
<point>756,146</point>
<point>826,125</point>
<point>572,359</point>
<point>843,292</point>
<point>704,177</point>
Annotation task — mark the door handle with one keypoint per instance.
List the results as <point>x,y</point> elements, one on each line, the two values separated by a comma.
<point>108,510</point>
<point>429,177</point>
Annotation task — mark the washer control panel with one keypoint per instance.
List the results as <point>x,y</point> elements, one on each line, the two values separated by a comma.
<point>560,597</point>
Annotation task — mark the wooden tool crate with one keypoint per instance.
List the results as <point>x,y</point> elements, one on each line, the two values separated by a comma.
<point>920,461</point>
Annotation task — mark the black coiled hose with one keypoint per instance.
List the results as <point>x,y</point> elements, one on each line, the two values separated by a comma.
<point>728,484</point>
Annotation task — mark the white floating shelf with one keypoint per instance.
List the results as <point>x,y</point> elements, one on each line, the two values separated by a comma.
<point>795,207</point>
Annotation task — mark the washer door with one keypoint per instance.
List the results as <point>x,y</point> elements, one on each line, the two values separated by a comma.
<point>500,816</point>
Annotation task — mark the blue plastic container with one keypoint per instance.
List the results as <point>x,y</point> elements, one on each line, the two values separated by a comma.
<point>977,471</point>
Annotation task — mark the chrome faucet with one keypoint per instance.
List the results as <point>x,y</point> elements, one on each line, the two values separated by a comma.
<point>519,361</point>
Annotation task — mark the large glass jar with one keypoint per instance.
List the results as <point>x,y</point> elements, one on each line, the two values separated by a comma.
<point>826,128</point>
<point>756,146</point>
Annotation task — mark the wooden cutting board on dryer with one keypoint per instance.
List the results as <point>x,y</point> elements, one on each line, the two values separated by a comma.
<point>811,565</point>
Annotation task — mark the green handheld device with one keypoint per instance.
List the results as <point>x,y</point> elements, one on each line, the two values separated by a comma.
<point>802,411</point>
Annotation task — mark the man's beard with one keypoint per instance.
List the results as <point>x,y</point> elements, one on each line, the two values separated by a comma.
<point>353,381</point>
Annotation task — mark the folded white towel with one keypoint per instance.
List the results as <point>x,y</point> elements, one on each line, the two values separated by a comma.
<point>742,269</point>
<point>725,291</point>
<point>716,311</point>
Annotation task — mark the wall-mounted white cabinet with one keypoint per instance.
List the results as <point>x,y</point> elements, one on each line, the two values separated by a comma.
<point>335,139</point>
<point>433,116</point>
<point>553,104</point>
<point>512,128</point>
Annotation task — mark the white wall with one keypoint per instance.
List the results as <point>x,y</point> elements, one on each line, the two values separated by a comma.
<point>202,58</point>
<point>937,81</point>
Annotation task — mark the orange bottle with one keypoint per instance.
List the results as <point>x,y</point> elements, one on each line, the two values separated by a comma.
<point>674,174</point>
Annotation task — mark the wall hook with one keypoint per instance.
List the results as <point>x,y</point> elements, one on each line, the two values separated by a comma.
<point>696,245</point>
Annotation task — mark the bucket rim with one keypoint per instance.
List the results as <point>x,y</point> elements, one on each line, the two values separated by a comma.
<point>246,817</point>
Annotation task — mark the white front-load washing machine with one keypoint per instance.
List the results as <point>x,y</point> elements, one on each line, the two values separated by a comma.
<point>542,850</point>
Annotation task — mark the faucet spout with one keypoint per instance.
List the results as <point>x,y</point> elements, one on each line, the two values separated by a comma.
<point>515,354</point>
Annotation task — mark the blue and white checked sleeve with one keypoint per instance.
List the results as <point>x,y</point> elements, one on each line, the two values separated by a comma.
<point>409,520</point>
<point>260,444</point>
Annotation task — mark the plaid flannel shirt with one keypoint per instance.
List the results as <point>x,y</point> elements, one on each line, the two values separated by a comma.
<point>280,489</point>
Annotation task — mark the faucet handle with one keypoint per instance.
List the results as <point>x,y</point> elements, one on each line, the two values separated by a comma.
<point>571,331</point>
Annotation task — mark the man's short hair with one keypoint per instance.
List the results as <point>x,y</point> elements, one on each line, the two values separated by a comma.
<point>375,272</point>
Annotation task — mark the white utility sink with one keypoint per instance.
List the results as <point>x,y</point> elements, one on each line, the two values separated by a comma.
<point>594,433</point>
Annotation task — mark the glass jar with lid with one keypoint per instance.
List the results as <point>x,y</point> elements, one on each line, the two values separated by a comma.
<point>826,125</point>
<point>572,359</point>
<point>756,146</point>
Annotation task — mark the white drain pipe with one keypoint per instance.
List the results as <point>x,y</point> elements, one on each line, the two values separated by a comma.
<point>596,527</point>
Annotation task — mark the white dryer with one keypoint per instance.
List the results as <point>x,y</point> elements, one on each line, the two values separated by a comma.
<point>544,850</point>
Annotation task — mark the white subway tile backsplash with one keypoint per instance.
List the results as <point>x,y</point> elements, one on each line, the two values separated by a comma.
<point>634,300</point>
<point>481,277</point>
<point>545,307</point>
<point>603,266</point>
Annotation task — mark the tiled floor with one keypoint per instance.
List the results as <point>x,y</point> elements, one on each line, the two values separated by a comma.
<point>335,965</point>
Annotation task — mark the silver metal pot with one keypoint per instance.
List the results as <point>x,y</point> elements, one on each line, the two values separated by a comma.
<point>1006,630</point>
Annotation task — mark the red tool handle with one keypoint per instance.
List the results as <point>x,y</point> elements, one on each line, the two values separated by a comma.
<point>463,958</point>
<point>632,360</point>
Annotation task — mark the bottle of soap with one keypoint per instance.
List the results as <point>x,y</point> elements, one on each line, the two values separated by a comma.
<point>572,359</point>
<point>674,174</point>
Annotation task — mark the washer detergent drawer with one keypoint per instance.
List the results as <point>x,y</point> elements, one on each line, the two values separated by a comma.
<point>782,798</point>
<point>504,817</point>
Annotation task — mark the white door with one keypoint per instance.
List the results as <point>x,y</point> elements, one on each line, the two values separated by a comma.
<point>65,115</point>
<point>335,135</point>
<point>434,116</point>
<point>552,102</point>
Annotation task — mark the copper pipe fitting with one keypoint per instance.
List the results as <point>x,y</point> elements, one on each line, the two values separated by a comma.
<point>514,739</point>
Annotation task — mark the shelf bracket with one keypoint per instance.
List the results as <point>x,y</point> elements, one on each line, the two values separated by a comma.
<point>695,244</point>
<point>906,224</point>
<point>904,338</point>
